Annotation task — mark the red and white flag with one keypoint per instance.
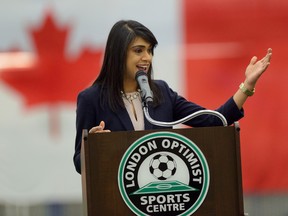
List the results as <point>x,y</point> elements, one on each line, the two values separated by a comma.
<point>51,51</point>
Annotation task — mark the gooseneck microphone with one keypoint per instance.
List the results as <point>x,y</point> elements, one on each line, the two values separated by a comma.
<point>147,97</point>
<point>146,93</point>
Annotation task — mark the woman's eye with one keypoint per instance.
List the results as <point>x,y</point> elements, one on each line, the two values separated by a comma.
<point>138,50</point>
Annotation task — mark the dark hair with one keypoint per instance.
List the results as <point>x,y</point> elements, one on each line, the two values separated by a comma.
<point>114,63</point>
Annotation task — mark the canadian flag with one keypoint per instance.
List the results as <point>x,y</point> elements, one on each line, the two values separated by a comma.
<point>49,52</point>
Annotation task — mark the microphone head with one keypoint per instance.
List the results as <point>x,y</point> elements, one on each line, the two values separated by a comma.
<point>142,80</point>
<point>140,73</point>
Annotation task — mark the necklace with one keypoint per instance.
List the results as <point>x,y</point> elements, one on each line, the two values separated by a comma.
<point>131,96</point>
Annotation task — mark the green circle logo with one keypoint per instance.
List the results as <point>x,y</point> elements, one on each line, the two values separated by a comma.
<point>162,174</point>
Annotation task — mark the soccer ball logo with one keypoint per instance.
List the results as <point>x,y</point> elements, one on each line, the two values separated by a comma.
<point>162,166</point>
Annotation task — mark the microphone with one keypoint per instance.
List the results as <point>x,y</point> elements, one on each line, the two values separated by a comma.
<point>147,96</point>
<point>146,93</point>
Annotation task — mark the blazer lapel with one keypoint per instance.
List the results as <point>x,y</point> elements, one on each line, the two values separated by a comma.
<point>123,116</point>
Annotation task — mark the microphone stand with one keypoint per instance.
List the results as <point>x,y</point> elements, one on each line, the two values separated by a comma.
<point>187,118</point>
<point>146,96</point>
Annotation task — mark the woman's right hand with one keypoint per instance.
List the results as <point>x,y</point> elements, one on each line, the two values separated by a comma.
<point>99,128</point>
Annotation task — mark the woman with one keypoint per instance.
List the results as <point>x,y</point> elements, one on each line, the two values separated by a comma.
<point>114,102</point>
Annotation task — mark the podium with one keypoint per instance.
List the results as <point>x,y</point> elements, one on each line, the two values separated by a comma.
<point>102,158</point>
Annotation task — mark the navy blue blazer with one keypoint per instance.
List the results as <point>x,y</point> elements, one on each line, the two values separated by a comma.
<point>174,107</point>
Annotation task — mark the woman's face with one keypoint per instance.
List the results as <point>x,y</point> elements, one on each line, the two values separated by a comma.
<point>139,57</point>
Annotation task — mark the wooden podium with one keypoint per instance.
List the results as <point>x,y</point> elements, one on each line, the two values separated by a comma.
<point>101,155</point>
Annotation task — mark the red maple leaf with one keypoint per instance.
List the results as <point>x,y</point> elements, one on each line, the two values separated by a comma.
<point>54,78</point>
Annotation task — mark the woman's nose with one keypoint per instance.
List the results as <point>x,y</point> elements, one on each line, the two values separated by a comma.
<point>147,56</point>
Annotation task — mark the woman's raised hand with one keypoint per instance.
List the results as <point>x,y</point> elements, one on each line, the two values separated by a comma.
<point>256,68</point>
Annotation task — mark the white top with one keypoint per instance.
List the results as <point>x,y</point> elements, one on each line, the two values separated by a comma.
<point>133,106</point>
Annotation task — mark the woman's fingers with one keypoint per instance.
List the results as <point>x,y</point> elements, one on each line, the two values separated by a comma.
<point>99,128</point>
<point>95,129</point>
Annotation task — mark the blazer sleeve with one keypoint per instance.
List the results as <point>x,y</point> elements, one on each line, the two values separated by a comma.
<point>180,108</point>
<point>85,119</point>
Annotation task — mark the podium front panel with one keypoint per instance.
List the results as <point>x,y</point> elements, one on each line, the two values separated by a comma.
<point>102,154</point>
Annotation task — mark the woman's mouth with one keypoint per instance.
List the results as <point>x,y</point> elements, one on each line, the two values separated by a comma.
<point>143,67</point>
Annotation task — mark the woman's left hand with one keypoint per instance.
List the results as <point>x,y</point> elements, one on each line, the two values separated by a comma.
<point>256,68</point>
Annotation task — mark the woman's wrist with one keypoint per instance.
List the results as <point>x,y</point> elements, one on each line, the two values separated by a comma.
<point>247,89</point>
